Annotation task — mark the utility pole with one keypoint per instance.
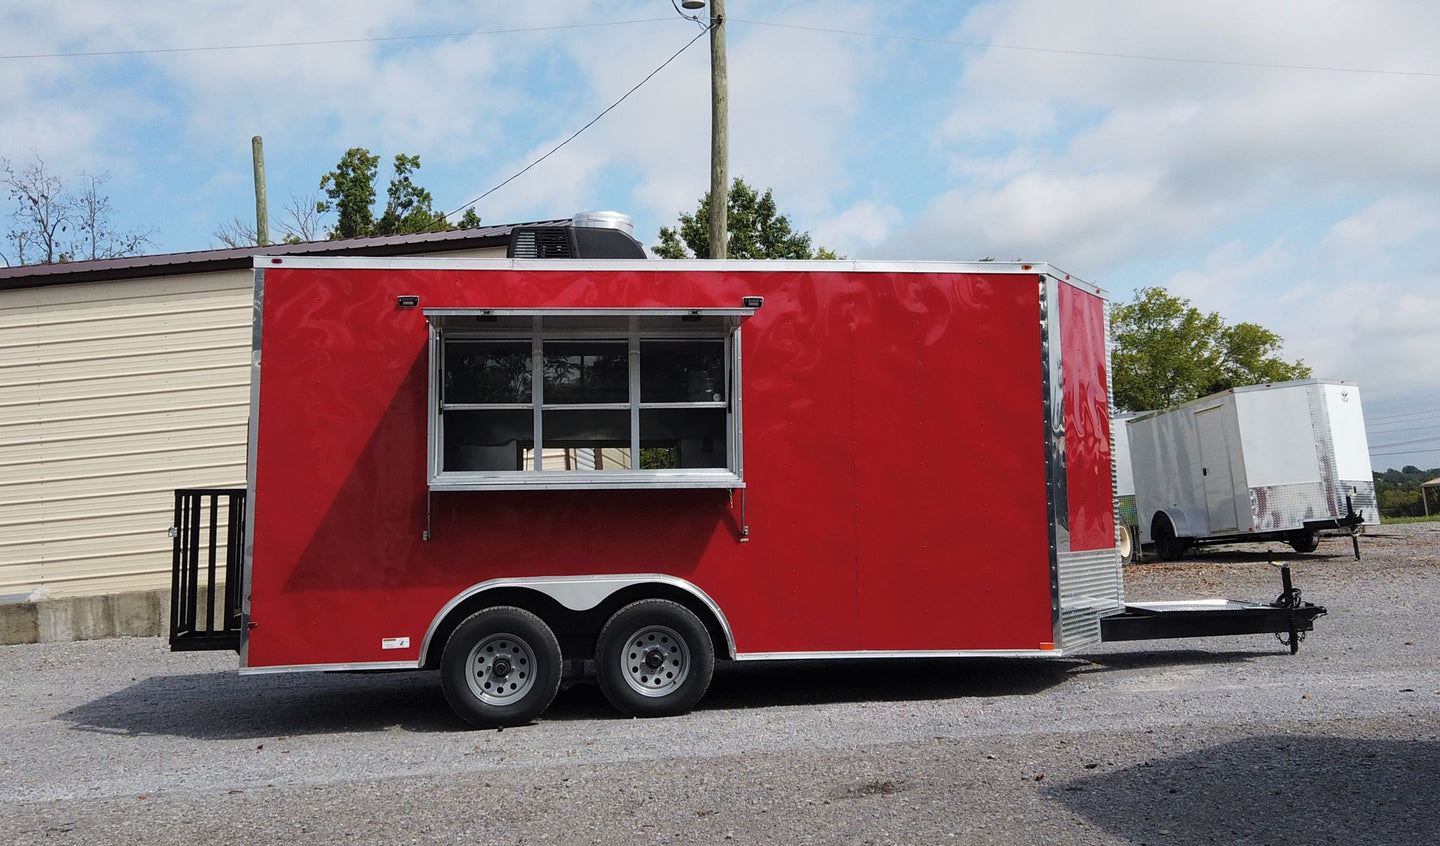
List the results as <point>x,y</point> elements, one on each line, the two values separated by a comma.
<point>262,211</point>
<point>719,134</point>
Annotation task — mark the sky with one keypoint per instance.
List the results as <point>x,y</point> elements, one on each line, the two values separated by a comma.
<point>1276,162</point>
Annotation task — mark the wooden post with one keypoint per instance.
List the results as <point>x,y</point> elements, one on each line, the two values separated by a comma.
<point>262,212</point>
<point>719,134</point>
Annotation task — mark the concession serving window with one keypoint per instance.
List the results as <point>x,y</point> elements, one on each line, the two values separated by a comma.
<point>584,398</point>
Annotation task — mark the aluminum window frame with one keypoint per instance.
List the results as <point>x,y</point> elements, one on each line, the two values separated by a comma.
<point>634,327</point>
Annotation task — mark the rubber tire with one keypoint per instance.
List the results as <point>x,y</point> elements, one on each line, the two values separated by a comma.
<point>1167,545</point>
<point>1126,544</point>
<point>612,662</point>
<point>1306,540</point>
<point>532,635</point>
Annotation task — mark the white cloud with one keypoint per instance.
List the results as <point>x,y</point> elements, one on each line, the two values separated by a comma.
<point>1080,220</point>
<point>861,225</point>
<point>1361,324</point>
<point>1212,142</point>
<point>1244,287</point>
<point>1390,222</point>
<point>1304,200</point>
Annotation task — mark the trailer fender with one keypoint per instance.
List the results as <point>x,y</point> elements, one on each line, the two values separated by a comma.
<point>579,593</point>
<point>1185,526</point>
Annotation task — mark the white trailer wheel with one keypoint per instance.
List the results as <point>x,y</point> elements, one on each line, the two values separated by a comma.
<point>1126,544</point>
<point>501,667</point>
<point>654,658</point>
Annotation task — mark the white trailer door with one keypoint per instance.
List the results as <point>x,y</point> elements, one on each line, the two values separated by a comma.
<point>1215,463</point>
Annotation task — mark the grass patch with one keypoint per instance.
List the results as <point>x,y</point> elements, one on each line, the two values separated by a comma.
<point>1391,521</point>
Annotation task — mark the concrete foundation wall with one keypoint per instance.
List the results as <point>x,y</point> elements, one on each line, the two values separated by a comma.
<point>133,614</point>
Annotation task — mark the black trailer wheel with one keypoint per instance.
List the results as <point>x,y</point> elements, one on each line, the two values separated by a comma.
<point>1305,540</point>
<point>501,667</point>
<point>654,658</point>
<point>1167,545</point>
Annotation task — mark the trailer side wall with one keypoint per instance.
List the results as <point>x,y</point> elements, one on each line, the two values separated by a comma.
<point>894,465</point>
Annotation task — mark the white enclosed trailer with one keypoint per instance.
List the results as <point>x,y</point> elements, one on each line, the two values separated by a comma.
<point>1276,462</point>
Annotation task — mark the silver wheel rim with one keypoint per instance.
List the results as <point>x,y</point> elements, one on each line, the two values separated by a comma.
<point>655,661</point>
<point>501,669</point>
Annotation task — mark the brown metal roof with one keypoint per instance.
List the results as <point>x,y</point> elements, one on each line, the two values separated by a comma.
<point>171,264</point>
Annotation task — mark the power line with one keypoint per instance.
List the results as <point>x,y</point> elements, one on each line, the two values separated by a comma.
<point>1406,429</point>
<point>326,43</point>
<point>592,122</point>
<point>1406,452</point>
<point>81,54</point>
<point>1092,53</point>
<point>1409,443</point>
<point>1397,417</point>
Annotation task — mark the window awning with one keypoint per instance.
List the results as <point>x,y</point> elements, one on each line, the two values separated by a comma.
<point>577,319</point>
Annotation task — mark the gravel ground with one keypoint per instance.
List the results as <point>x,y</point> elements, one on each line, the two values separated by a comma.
<point>1214,740</point>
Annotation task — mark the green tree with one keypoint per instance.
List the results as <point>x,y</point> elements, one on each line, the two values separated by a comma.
<point>351,188</point>
<point>1168,352</point>
<point>469,220</point>
<point>409,208</point>
<point>755,228</point>
<point>1395,502</point>
<point>1399,491</point>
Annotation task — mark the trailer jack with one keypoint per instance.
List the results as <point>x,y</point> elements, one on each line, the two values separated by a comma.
<point>1352,521</point>
<point>1289,599</point>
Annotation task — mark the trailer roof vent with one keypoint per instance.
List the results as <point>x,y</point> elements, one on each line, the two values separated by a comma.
<point>603,220</point>
<point>590,235</point>
<point>541,242</point>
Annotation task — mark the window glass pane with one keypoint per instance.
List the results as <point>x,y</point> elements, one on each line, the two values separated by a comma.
<point>586,372</point>
<point>487,440</point>
<point>581,458</point>
<point>584,439</point>
<point>682,371</point>
<point>487,372</point>
<point>696,437</point>
<point>659,458</point>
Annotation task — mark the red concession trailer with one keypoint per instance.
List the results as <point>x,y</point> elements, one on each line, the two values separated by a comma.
<point>522,471</point>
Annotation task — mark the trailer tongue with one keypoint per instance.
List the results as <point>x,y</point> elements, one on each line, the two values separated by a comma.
<point>1287,617</point>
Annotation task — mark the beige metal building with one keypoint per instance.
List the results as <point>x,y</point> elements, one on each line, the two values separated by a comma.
<point>120,381</point>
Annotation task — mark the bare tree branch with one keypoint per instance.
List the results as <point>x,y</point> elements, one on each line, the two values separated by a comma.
<point>51,223</point>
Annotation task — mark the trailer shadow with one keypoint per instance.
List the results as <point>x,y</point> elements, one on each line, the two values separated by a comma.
<point>1333,547</point>
<point>1276,789</point>
<point>764,684</point>
<point>227,706</point>
<point>1158,658</point>
<point>768,684</point>
<point>749,685</point>
<point>1251,555</point>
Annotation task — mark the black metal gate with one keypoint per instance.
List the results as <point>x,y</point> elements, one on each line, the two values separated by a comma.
<point>207,581</point>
